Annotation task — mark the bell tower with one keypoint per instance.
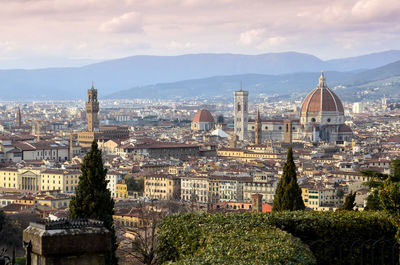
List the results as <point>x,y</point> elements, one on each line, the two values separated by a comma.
<point>92,110</point>
<point>241,114</point>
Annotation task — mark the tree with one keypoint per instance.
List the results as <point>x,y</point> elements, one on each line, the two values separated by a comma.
<point>288,192</point>
<point>373,202</point>
<point>376,182</point>
<point>135,184</point>
<point>389,196</point>
<point>220,119</point>
<point>340,193</point>
<point>349,202</point>
<point>93,199</point>
<point>2,220</point>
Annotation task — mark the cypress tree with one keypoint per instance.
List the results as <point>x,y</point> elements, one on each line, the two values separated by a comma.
<point>92,198</point>
<point>288,192</point>
<point>349,202</point>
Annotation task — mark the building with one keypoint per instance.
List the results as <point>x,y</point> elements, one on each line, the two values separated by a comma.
<point>121,189</point>
<point>241,114</point>
<point>321,199</point>
<point>266,189</point>
<point>166,150</point>
<point>358,107</point>
<point>92,110</point>
<point>322,115</point>
<point>113,178</point>
<point>39,179</point>
<point>96,132</point>
<point>203,121</point>
<point>321,119</point>
<point>195,189</point>
<point>162,187</point>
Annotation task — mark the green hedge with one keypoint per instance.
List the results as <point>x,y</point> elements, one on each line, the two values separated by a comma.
<point>257,246</point>
<point>186,235</point>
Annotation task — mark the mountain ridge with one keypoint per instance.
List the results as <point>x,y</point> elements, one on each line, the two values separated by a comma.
<point>137,71</point>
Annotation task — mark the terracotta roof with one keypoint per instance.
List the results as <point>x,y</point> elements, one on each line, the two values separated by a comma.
<point>344,128</point>
<point>203,116</point>
<point>322,99</point>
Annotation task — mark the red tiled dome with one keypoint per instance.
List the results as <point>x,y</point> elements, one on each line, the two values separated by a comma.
<point>203,116</point>
<point>322,99</point>
<point>345,128</point>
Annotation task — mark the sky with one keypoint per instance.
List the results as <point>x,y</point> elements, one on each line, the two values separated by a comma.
<point>47,33</point>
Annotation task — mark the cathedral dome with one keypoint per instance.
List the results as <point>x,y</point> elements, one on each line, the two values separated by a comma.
<point>322,99</point>
<point>203,116</point>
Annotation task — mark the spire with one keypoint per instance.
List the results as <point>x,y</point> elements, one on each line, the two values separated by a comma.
<point>258,119</point>
<point>322,81</point>
<point>92,85</point>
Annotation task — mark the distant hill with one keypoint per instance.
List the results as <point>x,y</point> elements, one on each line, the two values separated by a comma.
<point>373,84</point>
<point>350,86</point>
<point>286,84</point>
<point>151,72</point>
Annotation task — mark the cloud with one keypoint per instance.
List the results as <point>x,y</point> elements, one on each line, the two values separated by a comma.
<point>127,23</point>
<point>89,28</point>
<point>271,42</point>
<point>376,9</point>
<point>174,45</point>
<point>251,36</point>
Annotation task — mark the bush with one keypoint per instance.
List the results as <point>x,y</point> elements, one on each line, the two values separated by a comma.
<point>185,235</point>
<point>265,245</point>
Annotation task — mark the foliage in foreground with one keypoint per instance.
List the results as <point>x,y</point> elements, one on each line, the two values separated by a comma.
<point>92,198</point>
<point>288,192</point>
<point>376,182</point>
<point>185,236</point>
<point>267,245</point>
<point>349,202</point>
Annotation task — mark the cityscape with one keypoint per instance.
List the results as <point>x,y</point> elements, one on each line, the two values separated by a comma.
<point>199,155</point>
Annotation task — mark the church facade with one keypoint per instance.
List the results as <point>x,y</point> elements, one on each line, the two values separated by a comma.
<point>321,119</point>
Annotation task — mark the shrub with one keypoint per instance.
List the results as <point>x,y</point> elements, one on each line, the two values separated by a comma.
<point>181,236</point>
<point>265,245</point>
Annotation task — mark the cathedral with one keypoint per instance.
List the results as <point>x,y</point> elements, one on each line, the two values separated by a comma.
<point>321,120</point>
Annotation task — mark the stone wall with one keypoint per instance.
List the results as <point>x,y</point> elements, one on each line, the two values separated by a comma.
<point>67,242</point>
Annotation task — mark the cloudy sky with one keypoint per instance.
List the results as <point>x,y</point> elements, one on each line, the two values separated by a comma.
<point>38,33</point>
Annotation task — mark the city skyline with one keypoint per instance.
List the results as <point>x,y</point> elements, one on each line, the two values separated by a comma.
<point>48,33</point>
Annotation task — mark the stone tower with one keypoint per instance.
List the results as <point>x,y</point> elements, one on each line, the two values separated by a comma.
<point>241,114</point>
<point>92,109</point>
<point>258,129</point>
<point>288,132</point>
<point>19,118</point>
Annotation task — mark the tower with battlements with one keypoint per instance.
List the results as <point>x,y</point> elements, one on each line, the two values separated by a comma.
<point>92,110</point>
